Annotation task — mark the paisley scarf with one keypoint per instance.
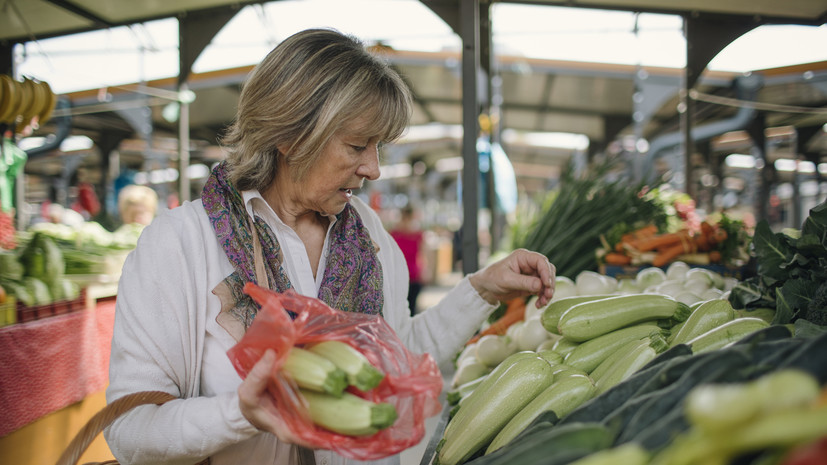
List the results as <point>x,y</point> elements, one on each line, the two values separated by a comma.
<point>352,279</point>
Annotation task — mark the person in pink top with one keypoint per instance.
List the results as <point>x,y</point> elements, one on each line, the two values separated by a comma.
<point>410,239</point>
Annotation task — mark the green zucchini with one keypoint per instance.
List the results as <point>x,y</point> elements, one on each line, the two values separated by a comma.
<point>348,414</point>
<point>314,372</point>
<point>562,370</point>
<point>634,356</point>
<point>564,345</point>
<point>490,379</point>
<point>360,372</point>
<point>479,419</point>
<point>589,320</point>
<point>775,430</point>
<point>766,314</point>
<point>551,356</point>
<point>462,391</point>
<point>553,311</point>
<point>725,334</point>
<point>724,407</point>
<point>561,397</point>
<point>709,315</point>
<point>590,353</point>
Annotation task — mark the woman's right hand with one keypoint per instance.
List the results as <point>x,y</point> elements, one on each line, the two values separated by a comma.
<point>257,404</point>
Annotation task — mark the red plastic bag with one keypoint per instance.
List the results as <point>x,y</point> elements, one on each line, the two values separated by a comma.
<point>412,382</point>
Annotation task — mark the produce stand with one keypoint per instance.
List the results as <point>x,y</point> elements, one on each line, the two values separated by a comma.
<point>51,365</point>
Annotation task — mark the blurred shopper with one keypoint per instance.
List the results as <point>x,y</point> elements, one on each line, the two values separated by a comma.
<point>137,204</point>
<point>410,238</point>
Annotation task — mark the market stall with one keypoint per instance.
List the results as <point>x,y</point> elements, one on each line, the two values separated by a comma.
<point>665,363</point>
<point>52,379</point>
<point>58,294</point>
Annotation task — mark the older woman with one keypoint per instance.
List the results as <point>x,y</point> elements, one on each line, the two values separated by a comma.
<point>279,212</point>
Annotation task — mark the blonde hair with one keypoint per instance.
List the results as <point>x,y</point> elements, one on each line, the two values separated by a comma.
<point>134,198</point>
<point>310,86</point>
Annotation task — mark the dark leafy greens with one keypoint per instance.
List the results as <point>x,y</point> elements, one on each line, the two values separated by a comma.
<point>791,271</point>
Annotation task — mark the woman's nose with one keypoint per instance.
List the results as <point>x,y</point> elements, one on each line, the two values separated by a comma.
<point>369,168</point>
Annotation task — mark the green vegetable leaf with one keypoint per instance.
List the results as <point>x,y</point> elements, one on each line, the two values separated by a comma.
<point>771,251</point>
<point>792,297</point>
<point>816,223</point>
<point>751,293</point>
<point>807,329</point>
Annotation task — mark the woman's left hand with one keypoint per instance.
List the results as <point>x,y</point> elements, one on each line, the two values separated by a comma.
<point>519,274</point>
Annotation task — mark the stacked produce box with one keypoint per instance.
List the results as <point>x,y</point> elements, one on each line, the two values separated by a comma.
<point>675,365</point>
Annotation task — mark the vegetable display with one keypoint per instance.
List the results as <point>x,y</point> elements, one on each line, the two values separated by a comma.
<point>723,374</point>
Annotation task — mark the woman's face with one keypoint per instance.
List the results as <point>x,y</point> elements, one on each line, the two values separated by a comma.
<point>346,161</point>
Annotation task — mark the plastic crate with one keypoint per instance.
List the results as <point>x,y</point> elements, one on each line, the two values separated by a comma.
<point>60,307</point>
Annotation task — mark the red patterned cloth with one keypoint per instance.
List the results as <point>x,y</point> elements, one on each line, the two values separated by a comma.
<point>48,364</point>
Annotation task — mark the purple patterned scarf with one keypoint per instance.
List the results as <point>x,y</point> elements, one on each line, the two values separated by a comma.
<point>352,280</point>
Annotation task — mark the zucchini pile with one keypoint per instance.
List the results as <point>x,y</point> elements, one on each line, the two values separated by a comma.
<point>615,370</point>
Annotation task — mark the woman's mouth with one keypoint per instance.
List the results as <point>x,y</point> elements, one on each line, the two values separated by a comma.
<point>348,192</point>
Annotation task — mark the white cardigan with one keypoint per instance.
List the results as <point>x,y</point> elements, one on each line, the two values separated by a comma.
<point>166,338</point>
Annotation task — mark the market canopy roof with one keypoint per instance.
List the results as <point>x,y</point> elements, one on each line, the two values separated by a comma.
<point>49,18</point>
<point>594,100</point>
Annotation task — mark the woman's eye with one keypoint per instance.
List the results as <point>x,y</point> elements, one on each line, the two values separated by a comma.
<point>359,148</point>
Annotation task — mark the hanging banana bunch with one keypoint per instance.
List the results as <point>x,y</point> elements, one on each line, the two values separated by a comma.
<point>26,103</point>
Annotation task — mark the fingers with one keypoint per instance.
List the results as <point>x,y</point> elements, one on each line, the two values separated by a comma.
<point>537,265</point>
<point>256,382</point>
<point>252,391</point>
<point>521,273</point>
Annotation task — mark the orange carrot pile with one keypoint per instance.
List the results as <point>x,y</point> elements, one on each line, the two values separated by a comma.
<point>662,249</point>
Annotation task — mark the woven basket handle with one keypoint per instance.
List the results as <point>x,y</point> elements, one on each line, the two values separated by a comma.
<point>104,418</point>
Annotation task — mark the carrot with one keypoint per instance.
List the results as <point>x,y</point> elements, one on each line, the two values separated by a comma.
<point>669,254</point>
<point>707,229</point>
<point>660,241</point>
<point>702,242</point>
<point>629,238</point>
<point>616,258</point>
<point>646,231</point>
<point>514,312</point>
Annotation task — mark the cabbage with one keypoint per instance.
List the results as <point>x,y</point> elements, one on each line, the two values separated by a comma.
<point>10,267</point>
<point>593,283</point>
<point>71,289</point>
<point>38,290</point>
<point>677,270</point>
<point>43,259</point>
<point>564,287</point>
<point>531,334</point>
<point>650,276</point>
<point>628,286</point>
